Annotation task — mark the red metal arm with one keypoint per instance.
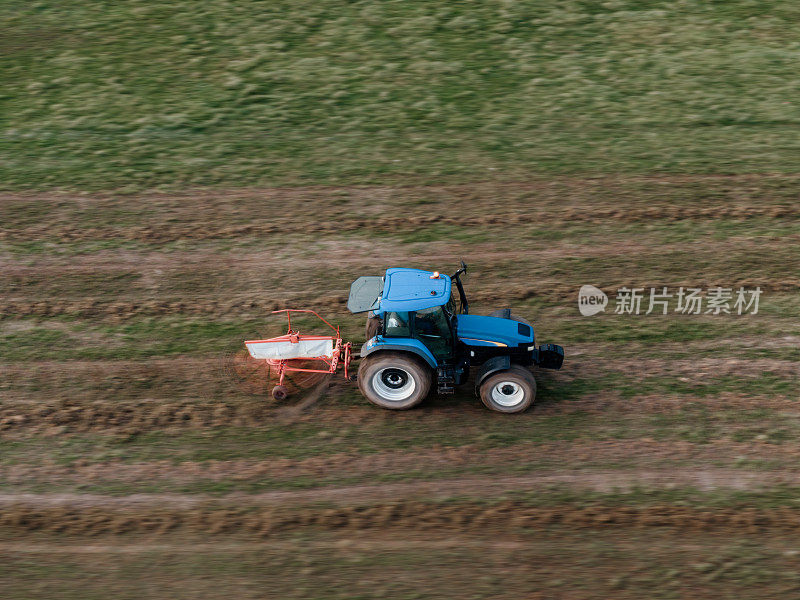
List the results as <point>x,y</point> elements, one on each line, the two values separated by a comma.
<point>289,312</point>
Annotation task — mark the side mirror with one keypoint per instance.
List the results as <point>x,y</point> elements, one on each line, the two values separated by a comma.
<point>461,270</point>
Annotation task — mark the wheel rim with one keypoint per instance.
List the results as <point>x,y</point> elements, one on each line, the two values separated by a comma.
<point>508,393</point>
<point>394,384</point>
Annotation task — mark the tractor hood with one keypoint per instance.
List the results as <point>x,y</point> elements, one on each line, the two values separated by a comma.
<point>476,330</point>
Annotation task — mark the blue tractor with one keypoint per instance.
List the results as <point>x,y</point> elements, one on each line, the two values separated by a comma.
<point>420,334</point>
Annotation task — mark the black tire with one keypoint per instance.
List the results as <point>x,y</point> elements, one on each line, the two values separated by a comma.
<point>510,391</point>
<point>386,374</point>
<point>374,325</point>
<point>279,392</point>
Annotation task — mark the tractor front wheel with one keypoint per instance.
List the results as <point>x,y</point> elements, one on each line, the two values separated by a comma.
<point>394,380</point>
<point>509,391</point>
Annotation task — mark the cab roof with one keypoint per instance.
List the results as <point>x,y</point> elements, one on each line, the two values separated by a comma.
<point>413,289</point>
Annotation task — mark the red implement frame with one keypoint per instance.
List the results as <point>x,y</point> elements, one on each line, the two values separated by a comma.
<point>342,351</point>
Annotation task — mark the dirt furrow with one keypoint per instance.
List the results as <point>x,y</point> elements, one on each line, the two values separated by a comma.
<point>167,232</point>
<point>22,518</point>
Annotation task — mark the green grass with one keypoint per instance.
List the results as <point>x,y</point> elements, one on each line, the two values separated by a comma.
<point>238,92</point>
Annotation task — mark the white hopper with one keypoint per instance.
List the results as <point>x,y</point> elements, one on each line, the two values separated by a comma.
<point>284,349</point>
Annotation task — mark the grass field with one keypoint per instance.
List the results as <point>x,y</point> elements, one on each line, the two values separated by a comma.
<point>171,173</point>
<point>133,95</point>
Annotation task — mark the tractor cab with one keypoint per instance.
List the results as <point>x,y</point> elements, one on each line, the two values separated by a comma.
<point>424,316</point>
<point>412,305</point>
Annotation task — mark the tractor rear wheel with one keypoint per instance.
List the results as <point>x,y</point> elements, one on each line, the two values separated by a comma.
<point>374,325</point>
<point>394,380</point>
<point>509,391</point>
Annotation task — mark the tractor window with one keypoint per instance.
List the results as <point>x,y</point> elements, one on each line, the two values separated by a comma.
<point>432,329</point>
<point>397,325</point>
